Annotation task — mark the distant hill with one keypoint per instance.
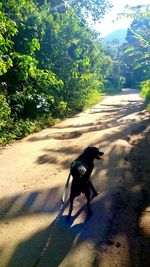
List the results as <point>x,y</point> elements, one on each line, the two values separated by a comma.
<point>118,34</point>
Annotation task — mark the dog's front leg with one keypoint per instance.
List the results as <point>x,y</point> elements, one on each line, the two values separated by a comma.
<point>95,193</point>
<point>70,208</point>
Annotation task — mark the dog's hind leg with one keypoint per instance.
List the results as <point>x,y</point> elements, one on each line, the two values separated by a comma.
<point>70,208</point>
<point>87,193</point>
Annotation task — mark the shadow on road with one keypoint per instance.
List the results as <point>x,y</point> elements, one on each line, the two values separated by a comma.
<point>28,251</point>
<point>106,122</point>
<point>29,203</point>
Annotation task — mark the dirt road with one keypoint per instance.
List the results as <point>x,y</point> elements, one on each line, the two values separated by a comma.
<point>33,172</point>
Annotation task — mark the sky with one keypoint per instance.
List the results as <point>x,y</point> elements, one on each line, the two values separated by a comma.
<point>108,24</point>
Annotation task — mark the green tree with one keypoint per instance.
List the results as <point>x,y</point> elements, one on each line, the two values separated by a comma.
<point>137,51</point>
<point>50,64</point>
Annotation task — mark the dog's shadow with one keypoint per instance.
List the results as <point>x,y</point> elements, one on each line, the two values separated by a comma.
<point>63,234</point>
<point>62,242</point>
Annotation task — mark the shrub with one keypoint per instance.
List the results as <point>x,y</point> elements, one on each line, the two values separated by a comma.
<point>145,92</point>
<point>4,118</point>
<point>148,108</point>
<point>22,128</point>
<point>145,89</point>
<point>93,97</point>
<point>4,111</point>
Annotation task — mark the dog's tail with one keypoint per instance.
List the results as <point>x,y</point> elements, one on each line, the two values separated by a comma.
<point>65,189</point>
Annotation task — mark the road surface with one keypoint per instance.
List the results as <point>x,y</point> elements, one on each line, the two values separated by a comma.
<point>33,173</point>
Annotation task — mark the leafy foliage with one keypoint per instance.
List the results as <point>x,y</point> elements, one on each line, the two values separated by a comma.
<point>132,57</point>
<point>145,92</point>
<point>50,64</point>
<point>136,12</point>
<point>95,9</point>
<point>136,51</point>
<point>115,79</point>
<point>4,111</point>
<point>145,89</point>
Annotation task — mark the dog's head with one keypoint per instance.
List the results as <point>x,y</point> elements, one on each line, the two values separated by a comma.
<point>93,153</point>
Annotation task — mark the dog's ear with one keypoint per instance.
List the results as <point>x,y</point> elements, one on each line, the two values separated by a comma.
<point>88,149</point>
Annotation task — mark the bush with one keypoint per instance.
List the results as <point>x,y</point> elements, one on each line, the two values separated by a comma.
<point>22,128</point>
<point>145,89</point>
<point>59,108</point>
<point>145,92</point>
<point>148,108</point>
<point>111,90</point>
<point>15,130</point>
<point>93,97</point>
<point>43,122</point>
<point>4,111</point>
<point>4,118</point>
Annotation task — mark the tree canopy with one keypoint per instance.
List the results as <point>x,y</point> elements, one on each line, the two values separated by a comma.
<point>137,51</point>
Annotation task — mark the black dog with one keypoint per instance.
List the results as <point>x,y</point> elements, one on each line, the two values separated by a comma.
<point>81,170</point>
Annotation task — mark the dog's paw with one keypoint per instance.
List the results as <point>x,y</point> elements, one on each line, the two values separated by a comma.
<point>95,194</point>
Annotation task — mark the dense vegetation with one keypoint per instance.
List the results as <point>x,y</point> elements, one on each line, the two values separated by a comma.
<point>50,63</point>
<point>136,52</point>
<point>145,92</point>
<point>131,60</point>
